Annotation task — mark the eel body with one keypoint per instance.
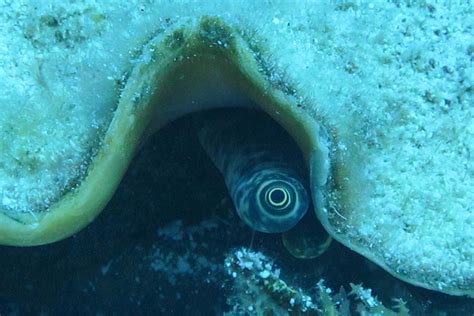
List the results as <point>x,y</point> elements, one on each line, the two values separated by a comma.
<point>262,167</point>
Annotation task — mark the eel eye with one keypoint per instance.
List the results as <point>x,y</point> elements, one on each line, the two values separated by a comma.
<point>278,197</point>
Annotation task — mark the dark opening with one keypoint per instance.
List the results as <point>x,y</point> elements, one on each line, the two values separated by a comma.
<point>277,196</point>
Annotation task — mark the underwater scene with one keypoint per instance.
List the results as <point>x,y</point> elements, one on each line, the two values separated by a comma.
<point>236,157</point>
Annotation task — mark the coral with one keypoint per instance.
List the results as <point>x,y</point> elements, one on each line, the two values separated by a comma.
<point>259,290</point>
<point>370,305</point>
